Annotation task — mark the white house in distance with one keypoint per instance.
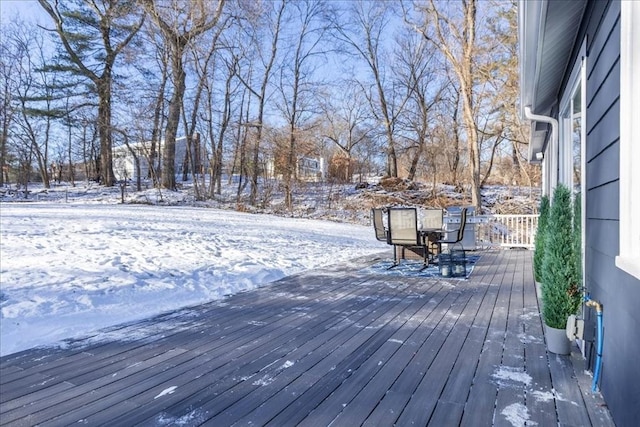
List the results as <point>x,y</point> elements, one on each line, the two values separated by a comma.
<point>308,169</point>
<point>124,165</point>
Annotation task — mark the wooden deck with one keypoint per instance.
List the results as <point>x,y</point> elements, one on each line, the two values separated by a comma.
<point>338,346</point>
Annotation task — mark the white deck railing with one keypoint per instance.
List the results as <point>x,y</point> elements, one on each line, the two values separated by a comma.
<point>511,231</point>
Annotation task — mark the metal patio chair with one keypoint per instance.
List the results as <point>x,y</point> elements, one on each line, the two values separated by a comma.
<point>459,233</point>
<point>432,230</point>
<point>378,224</point>
<point>403,232</point>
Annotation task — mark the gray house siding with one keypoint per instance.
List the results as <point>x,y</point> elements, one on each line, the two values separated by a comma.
<point>616,290</point>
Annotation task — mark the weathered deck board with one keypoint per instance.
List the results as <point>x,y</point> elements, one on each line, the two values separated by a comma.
<point>479,408</point>
<point>211,348</point>
<point>339,346</point>
<point>401,348</point>
<point>232,399</point>
<point>331,340</point>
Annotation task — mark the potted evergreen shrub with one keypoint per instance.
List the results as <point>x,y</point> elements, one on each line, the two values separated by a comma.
<point>538,254</point>
<point>560,288</point>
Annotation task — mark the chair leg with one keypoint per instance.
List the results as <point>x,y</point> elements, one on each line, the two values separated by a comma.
<point>439,249</point>
<point>425,260</point>
<point>395,257</point>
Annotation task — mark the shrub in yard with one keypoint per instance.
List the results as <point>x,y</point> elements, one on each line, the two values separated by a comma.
<point>538,255</point>
<point>560,290</point>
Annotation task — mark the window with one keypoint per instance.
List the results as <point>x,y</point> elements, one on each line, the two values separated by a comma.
<point>573,133</point>
<point>629,256</point>
<point>577,138</point>
<point>572,128</point>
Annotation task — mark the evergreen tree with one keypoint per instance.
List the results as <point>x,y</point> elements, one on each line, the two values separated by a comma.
<point>93,34</point>
<point>538,255</point>
<point>560,292</point>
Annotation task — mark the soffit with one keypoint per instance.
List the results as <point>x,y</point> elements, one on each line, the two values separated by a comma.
<point>547,35</point>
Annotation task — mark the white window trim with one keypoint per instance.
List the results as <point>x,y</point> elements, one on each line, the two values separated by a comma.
<point>629,256</point>
<point>565,141</point>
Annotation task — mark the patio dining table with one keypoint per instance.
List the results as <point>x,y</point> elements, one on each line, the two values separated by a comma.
<point>430,227</point>
<point>429,237</point>
<point>427,225</point>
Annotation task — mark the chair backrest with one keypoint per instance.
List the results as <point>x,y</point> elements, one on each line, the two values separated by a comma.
<point>403,226</point>
<point>463,224</point>
<point>432,219</point>
<point>378,225</point>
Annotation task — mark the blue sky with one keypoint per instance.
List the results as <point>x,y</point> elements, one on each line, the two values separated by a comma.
<point>28,10</point>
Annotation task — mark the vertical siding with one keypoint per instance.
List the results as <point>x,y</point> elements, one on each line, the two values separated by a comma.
<point>617,291</point>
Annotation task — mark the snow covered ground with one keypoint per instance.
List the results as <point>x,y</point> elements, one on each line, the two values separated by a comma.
<point>70,268</point>
<point>74,259</point>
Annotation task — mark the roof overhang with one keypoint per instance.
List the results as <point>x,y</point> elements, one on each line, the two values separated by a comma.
<point>547,32</point>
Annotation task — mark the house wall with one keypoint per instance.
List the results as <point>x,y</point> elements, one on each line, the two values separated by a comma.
<point>618,291</point>
<point>124,164</point>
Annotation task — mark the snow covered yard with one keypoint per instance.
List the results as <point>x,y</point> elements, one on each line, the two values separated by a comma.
<point>67,269</point>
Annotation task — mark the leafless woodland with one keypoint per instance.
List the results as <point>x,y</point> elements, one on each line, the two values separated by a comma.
<point>421,91</point>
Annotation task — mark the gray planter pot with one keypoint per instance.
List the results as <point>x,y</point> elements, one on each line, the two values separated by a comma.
<point>557,341</point>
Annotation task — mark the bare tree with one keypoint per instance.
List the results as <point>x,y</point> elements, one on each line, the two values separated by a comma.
<point>88,151</point>
<point>296,86</point>
<point>205,67</point>
<point>8,85</point>
<point>415,69</point>
<point>35,98</point>
<point>181,23</point>
<point>158,87</point>
<point>267,54</point>
<point>450,133</point>
<point>505,87</point>
<point>455,37</point>
<point>225,121</point>
<point>346,116</point>
<point>364,30</point>
<point>239,162</point>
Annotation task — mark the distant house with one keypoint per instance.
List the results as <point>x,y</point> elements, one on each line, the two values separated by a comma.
<point>580,87</point>
<point>124,163</point>
<point>309,169</point>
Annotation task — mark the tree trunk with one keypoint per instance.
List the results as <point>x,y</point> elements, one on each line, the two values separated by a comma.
<point>255,173</point>
<point>154,161</point>
<point>290,169</point>
<point>243,132</point>
<point>224,125</point>
<point>460,52</point>
<point>42,166</point>
<point>107,178</point>
<point>5,113</point>
<point>72,172</point>
<point>392,159</point>
<point>199,20</point>
<point>262,101</point>
<point>472,143</point>
<point>173,120</point>
<point>414,162</point>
